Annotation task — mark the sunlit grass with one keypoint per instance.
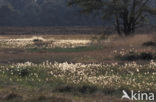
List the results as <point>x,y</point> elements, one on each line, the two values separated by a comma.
<point>81,77</point>
<point>72,69</point>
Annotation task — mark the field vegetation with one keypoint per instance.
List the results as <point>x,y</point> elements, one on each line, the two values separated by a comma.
<point>75,68</point>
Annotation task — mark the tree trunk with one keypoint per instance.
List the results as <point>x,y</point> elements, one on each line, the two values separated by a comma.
<point>117,25</point>
<point>126,25</point>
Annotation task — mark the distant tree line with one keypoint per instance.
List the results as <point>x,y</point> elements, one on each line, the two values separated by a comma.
<point>57,13</point>
<point>42,13</point>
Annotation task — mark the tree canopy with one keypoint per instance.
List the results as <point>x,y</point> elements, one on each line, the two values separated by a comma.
<point>127,15</point>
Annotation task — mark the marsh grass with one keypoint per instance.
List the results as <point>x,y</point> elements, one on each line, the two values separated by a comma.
<point>72,79</point>
<point>47,76</point>
<point>58,49</point>
<point>108,80</point>
<point>149,43</point>
<point>132,56</point>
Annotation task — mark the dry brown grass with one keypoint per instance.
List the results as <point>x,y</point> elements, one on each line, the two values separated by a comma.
<point>105,55</point>
<point>54,36</point>
<point>11,94</point>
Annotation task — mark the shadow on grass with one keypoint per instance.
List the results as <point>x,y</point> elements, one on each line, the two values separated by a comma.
<point>149,43</point>
<point>131,56</point>
<point>12,97</point>
<point>50,99</point>
<point>85,89</point>
<point>82,89</point>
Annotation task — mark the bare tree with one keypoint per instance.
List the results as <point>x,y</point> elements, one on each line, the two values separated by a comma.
<point>127,15</point>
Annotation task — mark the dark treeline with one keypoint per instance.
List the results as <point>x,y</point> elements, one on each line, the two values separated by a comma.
<point>42,13</point>
<point>46,13</point>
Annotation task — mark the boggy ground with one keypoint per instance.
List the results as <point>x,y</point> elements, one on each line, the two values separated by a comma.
<point>99,52</point>
<point>15,85</point>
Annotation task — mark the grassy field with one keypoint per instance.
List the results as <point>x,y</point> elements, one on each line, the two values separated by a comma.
<point>75,68</point>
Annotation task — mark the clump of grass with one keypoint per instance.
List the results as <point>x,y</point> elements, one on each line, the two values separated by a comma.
<point>104,36</point>
<point>37,40</point>
<point>149,43</point>
<point>22,72</point>
<point>132,56</point>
